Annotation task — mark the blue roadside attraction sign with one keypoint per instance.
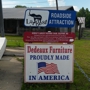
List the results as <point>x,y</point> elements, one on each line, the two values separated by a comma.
<point>49,18</point>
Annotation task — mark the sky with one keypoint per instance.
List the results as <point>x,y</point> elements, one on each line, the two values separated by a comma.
<point>77,4</point>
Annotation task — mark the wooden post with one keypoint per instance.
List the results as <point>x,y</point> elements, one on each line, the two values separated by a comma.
<point>17,28</point>
<point>79,36</point>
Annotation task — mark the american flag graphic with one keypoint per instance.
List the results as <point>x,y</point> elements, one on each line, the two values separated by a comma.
<point>47,68</point>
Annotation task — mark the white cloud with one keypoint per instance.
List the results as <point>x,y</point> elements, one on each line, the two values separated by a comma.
<point>8,3</point>
<point>53,2</point>
<point>76,8</point>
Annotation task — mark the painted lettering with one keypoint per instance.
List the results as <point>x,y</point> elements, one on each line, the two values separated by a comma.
<point>60,50</point>
<point>61,57</point>
<point>53,77</point>
<point>36,50</point>
<point>41,57</point>
<point>32,77</point>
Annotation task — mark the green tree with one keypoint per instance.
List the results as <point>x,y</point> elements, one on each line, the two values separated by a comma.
<point>85,13</point>
<point>87,18</point>
<point>20,6</point>
<point>81,12</point>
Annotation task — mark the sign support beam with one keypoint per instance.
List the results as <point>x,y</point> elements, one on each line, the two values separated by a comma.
<point>56,4</point>
<point>1,20</point>
<point>67,86</point>
<point>57,9</point>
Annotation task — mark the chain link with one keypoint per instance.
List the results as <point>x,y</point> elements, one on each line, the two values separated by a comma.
<point>82,71</point>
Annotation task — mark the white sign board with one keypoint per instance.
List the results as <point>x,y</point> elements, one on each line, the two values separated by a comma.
<point>48,63</point>
<point>82,21</point>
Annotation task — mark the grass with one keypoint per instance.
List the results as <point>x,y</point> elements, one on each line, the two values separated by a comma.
<point>86,34</point>
<point>14,41</point>
<point>82,56</point>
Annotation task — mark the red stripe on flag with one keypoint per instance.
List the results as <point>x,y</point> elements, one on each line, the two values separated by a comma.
<point>49,69</point>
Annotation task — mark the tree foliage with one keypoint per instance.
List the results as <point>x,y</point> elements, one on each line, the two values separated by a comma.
<point>20,6</point>
<point>85,13</point>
